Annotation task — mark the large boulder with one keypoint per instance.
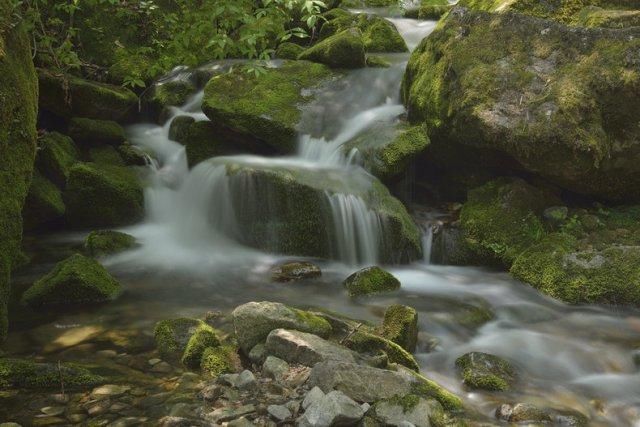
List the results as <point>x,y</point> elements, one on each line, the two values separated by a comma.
<point>18,111</point>
<point>254,321</point>
<point>378,34</point>
<point>108,242</point>
<point>95,132</point>
<point>369,281</point>
<point>535,95</point>
<point>70,96</point>
<point>342,50</point>
<point>305,349</point>
<point>264,105</point>
<point>77,280</point>
<point>55,156</point>
<point>290,209</point>
<point>102,196</point>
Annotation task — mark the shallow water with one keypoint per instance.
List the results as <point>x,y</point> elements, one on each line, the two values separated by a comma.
<point>570,357</point>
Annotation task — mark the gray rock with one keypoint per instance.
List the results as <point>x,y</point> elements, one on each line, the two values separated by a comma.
<point>240,422</point>
<point>305,349</point>
<point>334,408</point>
<point>279,412</point>
<point>255,320</point>
<point>410,409</point>
<point>275,368</point>
<point>257,354</point>
<point>224,414</point>
<point>314,395</point>
<point>245,380</point>
<point>176,422</point>
<point>362,383</point>
<point>522,413</point>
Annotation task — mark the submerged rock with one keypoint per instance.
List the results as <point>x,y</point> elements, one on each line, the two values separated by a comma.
<point>22,373</point>
<point>293,271</point>
<point>108,242</point>
<point>400,325</point>
<point>102,196</point>
<point>75,281</point>
<point>255,320</point>
<point>483,371</point>
<point>524,93</point>
<point>342,50</point>
<point>371,280</point>
<point>265,106</point>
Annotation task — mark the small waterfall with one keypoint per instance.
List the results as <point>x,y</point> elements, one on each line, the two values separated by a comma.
<point>427,242</point>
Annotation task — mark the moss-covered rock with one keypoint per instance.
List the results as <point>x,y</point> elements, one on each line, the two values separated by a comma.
<point>593,16</point>
<point>173,335</point>
<point>132,155</point>
<point>378,34</point>
<point>372,344</point>
<point>23,373</point>
<point>204,140</point>
<point>69,96</point>
<point>55,156</point>
<point>394,158</point>
<point>374,61</point>
<point>220,360</point>
<point>102,196</point>
<point>500,219</point>
<point>483,371</point>
<point>288,50</point>
<point>18,111</point>
<point>342,50</point>
<point>400,325</point>
<point>44,204</point>
<point>264,106</point>
<point>371,280</point>
<point>294,271</point>
<point>171,93</point>
<point>429,9</point>
<point>534,95</point>
<point>105,155</point>
<point>108,242</point>
<point>96,132</point>
<point>428,388</point>
<point>203,337</point>
<point>179,127</point>
<point>76,280</point>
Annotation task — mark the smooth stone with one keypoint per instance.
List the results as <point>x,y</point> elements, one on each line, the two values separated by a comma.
<point>128,421</point>
<point>393,413</point>
<point>109,354</point>
<point>53,411</point>
<point>211,393</point>
<point>100,408</point>
<point>275,368</point>
<point>294,271</point>
<point>334,408</point>
<point>521,413</point>
<point>154,361</point>
<point>221,415</point>
<point>257,354</point>
<point>109,390</point>
<point>314,395</point>
<point>245,380</point>
<point>76,418</point>
<point>279,412</point>
<point>305,349</point>
<point>162,368</point>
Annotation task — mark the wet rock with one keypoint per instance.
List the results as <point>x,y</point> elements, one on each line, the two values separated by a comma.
<point>305,349</point>
<point>374,346</point>
<point>294,271</point>
<point>279,412</point>
<point>53,411</point>
<point>371,280</point>
<point>19,373</point>
<point>173,335</point>
<point>570,418</point>
<point>342,50</point>
<point>334,408</point>
<point>400,325</point>
<point>128,421</point>
<point>91,132</point>
<point>179,128</point>
<point>203,337</point>
<point>411,409</point>
<point>170,421</point>
<point>220,360</point>
<point>275,368</point>
<point>162,368</point>
<point>255,320</point>
<point>99,408</point>
<point>485,371</point>
<point>75,281</point>
<point>378,34</point>
<point>522,413</point>
<point>109,390</point>
<point>211,393</point>
<point>108,242</point>
<point>635,356</point>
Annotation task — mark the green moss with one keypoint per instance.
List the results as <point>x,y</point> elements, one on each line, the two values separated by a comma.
<point>203,337</point>
<point>378,34</point>
<point>21,373</point>
<point>179,128</point>
<point>219,360</point>
<point>429,9</point>
<point>84,98</point>
<point>482,371</point>
<point>204,140</point>
<point>377,62</point>
<point>342,50</point>
<point>102,196</point>
<point>428,388</point>
<point>76,280</point>
<point>18,111</point>
<point>500,219</point>
<point>44,203</point>
<point>174,92</point>
<point>371,280</point>
<point>173,335</point>
<point>105,155</point>
<point>96,132</point>
<point>394,158</point>
<point>132,155</point>
<point>597,17</point>
<point>313,322</point>
<point>263,106</point>
<point>55,156</point>
<point>108,242</point>
<point>289,50</point>
<point>400,325</point>
<point>369,343</point>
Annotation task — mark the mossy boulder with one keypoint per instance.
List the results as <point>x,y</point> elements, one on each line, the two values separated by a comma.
<point>559,102</point>
<point>105,155</point>
<point>173,335</point>
<point>55,156</point>
<point>342,50</point>
<point>102,196</point>
<point>27,374</point>
<point>394,158</point>
<point>264,106</point>
<point>76,280</point>
<point>171,93</point>
<point>203,337</point>
<point>69,96</point>
<point>18,113</point>
<point>400,325</point>
<point>483,371</point>
<point>501,219</point>
<point>372,344</point>
<point>371,280</point>
<point>44,204</point>
<point>377,34</point>
<point>375,61</point>
<point>108,242</point>
<point>132,155</point>
<point>204,140</point>
<point>220,360</point>
<point>95,132</point>
<point>429,9</point>
<point>255,320</point>
<point>288,50</point>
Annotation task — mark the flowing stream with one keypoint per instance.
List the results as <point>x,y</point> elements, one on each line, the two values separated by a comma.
<point>192,260</point>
